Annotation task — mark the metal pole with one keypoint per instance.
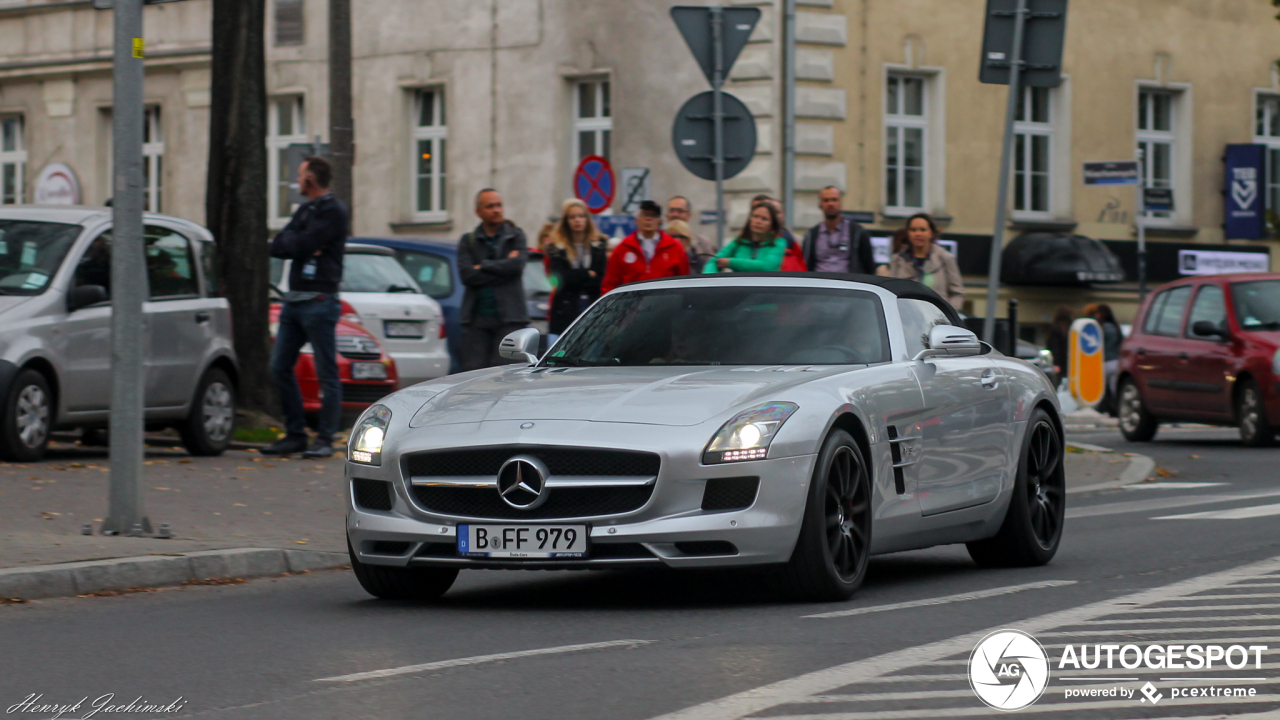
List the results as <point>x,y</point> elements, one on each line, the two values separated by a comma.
<point>1006,155</point>
<point>789,112</point>
<point>717,115</point>
<point>1141,226</point>
<point>128,264</point>
<point>341,124</point>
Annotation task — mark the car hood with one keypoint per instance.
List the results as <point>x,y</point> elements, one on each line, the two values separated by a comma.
<point>9,302</point>
<point>653,396</point>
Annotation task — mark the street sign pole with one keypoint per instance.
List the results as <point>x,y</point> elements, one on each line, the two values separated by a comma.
<point>1141,227</point>
<point>1006,155</point>
<point>717,115</point>
<point>789,112</point>
<point>127,509</point>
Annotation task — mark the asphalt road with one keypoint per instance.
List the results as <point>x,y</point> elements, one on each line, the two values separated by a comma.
<point>660,643</point>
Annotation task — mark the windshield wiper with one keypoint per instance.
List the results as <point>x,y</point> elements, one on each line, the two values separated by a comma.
<point>1272,325</point>
<point>400,289</point>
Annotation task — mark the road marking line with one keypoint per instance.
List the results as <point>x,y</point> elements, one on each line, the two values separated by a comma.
<point>1230,596</point>
<point>1172,485</point>
<point>1232,514</point>
<point>1111,631</point>
<point>1202,674</point>
<point>1204,618</point>
<point>1039,708</point>
<point>1133,506</point>
<point>1259,606</point>
<point>960,597</point>
<point>478,659</point>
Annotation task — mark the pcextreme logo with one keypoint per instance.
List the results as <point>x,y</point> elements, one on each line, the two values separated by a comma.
<point>1008,670</point>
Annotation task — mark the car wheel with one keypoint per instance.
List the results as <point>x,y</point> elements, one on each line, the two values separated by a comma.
<point>1251,415</point>
<point>402,583</point>
<point>28,415</point>
<point>831,555</point>
<point>208,427</point>
<point>1032,527</point>
<point>1136,424</point>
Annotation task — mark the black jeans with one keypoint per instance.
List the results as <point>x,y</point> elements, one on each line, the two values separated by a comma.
<point>480,339</point>
<point>301,323</point>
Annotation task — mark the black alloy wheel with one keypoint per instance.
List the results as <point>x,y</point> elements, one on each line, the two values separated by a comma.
<point>1045,490</point>
<point>848,513</point>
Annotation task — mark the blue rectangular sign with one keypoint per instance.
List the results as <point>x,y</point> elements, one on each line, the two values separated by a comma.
<point>1245,206</point>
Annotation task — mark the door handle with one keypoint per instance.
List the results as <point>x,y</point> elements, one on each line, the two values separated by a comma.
<point>202,317</point>
<point>1183,356</point>
<point>1142,351</point>
<point>989,380</point>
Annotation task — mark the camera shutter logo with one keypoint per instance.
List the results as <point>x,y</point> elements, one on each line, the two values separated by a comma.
<point>1008,670</point>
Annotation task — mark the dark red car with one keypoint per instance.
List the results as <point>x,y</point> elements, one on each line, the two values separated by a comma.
<point>1205,349</point>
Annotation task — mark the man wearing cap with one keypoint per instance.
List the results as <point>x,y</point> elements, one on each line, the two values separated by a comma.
<point>646,254</point>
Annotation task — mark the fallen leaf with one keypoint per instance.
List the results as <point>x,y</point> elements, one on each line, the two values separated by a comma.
<point>160,488</point>
<point>1194,457</point>
<point>185,462</point>
<point>1165,473</point>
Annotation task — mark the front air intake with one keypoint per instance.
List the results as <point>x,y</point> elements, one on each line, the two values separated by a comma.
<point>729,494</point>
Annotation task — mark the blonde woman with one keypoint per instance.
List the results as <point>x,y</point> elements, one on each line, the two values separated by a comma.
<point>576,256</point>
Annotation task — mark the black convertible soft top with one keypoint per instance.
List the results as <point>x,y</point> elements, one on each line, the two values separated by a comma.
<point>907,289</point>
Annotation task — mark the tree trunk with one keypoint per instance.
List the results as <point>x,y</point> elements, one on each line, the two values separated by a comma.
<point>236,200</point>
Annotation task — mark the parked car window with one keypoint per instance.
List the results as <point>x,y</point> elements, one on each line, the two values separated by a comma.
<point>208,253</point>
<point>918,317</point>
<point>31,252</point>
<point>171,267</point>
<point>1165,317</point>
<point>432,272</point>
<point>94,267</point>
<point>535,276</point>
<point>375,274</point>
<point>1257,304</point>
<point>728,326</point>
<point>1211,305</point>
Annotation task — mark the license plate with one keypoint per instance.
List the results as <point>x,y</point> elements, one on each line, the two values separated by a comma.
<point>368,371</point>
<point>402,329</point>
<point>522,541</point>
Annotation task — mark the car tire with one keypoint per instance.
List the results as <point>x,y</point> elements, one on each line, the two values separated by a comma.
<point>1251,416</point>
<point>207,431</point>
<point>1032,527</point>
<point>402,583</point>
<point>1136,423</point>
<point>28,417</point>
<point>831,555</point>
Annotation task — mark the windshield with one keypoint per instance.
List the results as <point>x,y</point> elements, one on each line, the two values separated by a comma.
<point>31,252</point>
<point>375,273</point>
<point>728,326</point>
<point>1257,304</point>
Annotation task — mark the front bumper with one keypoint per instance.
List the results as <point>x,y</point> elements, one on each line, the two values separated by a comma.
<point>416,367</point>
<point>656,534</point>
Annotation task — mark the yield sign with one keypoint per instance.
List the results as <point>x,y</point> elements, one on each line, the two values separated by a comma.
<point>593,183</point>
<point>694,23</point>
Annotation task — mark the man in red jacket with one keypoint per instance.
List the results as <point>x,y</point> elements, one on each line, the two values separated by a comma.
<point>646,254</point>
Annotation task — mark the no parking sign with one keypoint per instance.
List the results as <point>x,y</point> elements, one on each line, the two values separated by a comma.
<point>593,183</point>
<point>1087,379</point>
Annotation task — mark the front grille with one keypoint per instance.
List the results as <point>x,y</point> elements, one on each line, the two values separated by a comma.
<point>358,347</point>
<point>361,393</point>
<point>372,494</point>
<point>560,502</point>
<point>726,494</point>
<point>559,461</point>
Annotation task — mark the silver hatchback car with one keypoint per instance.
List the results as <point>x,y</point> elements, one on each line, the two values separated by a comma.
<point>55,330</point>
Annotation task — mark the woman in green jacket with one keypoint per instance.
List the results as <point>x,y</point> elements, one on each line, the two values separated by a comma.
<point>758,249</point>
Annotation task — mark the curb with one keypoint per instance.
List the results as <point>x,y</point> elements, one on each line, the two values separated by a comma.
<point>80,578</point>
<point>1138,470</point>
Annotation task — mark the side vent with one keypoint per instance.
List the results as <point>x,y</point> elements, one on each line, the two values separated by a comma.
<point>895,448</point>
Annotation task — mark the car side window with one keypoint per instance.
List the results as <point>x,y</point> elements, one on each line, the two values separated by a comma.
<point>1210,305</point>
<point>433,273</point>
<point>1169,313</point>
<point>208,254</point>
<point>170,263</point>
<point>918,317</point>
<point>94,267</point>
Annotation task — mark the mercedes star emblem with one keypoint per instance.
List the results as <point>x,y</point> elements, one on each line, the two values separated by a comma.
<point>522,482</point>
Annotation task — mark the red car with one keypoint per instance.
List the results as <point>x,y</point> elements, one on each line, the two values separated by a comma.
<point>368,374</point>
<point>1205,349</point>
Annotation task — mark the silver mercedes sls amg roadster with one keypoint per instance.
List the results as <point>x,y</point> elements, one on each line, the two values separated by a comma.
<point>805,421</point>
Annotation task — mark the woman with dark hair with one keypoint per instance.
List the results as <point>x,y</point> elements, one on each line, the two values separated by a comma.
<point>1060,338</point>
<point>759,248</point>
<point>924,261</point>
<point>576,256</point>
<point>1112,338</point>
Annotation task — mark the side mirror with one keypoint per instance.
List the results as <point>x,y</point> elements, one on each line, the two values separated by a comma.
<point>86,295</point>
<point>950,341</point>
<point>521,345</point>
<point>1207,328</point>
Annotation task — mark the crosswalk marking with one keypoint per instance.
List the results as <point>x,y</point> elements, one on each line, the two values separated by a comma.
<point>1135,506</point>
<point>1172,485</point>
<point>1037,708</point>
<point>976,595</point>
<point>1241,513</point>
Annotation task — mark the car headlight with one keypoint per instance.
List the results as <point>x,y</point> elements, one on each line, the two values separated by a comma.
<point>365,445</point>
<point>748,434</point>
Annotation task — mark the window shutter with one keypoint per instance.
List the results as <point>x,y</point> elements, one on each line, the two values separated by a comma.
<point>289,22</point>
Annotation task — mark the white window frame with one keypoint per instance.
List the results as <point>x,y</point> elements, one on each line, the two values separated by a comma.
<point>1266,112</point>
<point>437,135</point>
<point>1025,131</point>
<point>277,216</point>
<point>14,160</point>
<point>1178,137</point>
<point>897,122</point>
<point>599,125</point>
<point>153,159</point>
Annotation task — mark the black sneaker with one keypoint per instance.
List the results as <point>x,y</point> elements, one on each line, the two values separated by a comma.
<point>287,446</point>
<point>318,451</point>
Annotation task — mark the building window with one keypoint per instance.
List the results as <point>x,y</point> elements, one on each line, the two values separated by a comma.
<point>592,119</point>
<point>906,130</point>
<point>1157,141</point>
<point>13,161</point>
<point>286,125</point>
<point>1033,152</point>
<point>152,159</point>
<point>430,135</point>
<point>1267,132</point>
<point>288,18</point>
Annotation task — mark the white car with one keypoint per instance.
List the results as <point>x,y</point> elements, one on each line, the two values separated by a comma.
<point>389,304</point>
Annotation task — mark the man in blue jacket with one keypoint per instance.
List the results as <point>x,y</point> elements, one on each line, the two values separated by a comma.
<point>314,240</point>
